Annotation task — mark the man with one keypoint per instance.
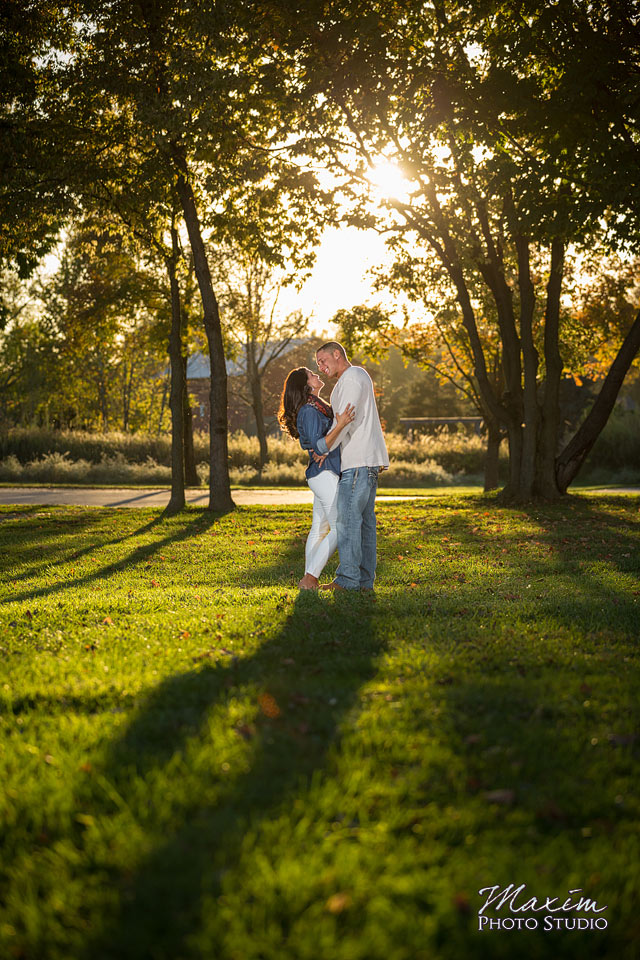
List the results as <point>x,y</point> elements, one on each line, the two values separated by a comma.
<point>363,454</point>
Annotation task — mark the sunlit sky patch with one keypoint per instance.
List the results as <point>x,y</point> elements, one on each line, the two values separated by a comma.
<point>389,182</point>
<point>339,278</point>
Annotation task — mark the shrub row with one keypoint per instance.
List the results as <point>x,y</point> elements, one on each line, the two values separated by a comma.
<point>60,468</point>
<point>454,452</point>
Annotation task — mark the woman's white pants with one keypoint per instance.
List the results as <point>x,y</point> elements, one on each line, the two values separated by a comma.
<point>323,539</point>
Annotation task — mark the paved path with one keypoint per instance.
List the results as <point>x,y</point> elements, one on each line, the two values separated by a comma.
<point>135,497</point>
<point>132,497</point>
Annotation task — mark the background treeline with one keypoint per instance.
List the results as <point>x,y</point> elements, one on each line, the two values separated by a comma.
<point>86,382</point>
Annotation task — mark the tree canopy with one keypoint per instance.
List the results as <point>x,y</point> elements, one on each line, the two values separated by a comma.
<point>509,161</point>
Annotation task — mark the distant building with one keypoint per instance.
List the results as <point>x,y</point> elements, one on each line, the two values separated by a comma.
<point>297,353</point>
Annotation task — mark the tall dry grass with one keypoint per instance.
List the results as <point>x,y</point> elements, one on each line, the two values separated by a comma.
<point>32,455</point>
<point>58,456</point>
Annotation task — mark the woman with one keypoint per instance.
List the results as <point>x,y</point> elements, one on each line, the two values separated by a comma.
<point>306,417</point>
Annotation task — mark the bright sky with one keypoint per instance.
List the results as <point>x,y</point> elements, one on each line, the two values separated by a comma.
<point>339,278</point>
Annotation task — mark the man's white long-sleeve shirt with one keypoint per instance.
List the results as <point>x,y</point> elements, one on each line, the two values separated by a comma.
<point>361,441</point>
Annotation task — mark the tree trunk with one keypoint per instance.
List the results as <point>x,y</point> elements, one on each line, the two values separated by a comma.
<point>546,484</point>
<point>513,489</point>
<point>491,462</point>
<point>574,454</point>
<point>163,403</point>
<point>127,393</point>
<point>219,487</point>
<point>190,472</point>
<point>479,363</point>
<point>530,368</point>
<point>176,400</point>
<point>258,412</point>
<point>125,406</point>
<point>102,394</point>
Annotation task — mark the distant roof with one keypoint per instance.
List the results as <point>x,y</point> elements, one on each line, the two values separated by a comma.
<point>198,366</point>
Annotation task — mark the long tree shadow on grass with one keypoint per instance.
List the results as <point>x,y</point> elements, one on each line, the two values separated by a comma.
<point>305,681</point>
<point>193,524</point>
<point>46,546</point>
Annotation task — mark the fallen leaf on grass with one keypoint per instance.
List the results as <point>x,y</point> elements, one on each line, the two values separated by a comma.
<point>269,706</point>
<point>299,698</point>
<point>551,811</point>
<point>461,902</point>
<point>621,739</point>
<point>338,902</point>
<point>107,621</point>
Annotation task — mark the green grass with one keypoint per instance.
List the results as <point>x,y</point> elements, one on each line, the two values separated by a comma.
<point>198,762</point>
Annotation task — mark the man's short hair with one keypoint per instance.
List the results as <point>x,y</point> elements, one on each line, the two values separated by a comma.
<point>331,346</point>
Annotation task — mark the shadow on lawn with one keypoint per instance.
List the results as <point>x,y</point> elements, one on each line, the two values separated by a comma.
<point>48,549</point>
<point>335,647</point>
<point>582,547</point>
<point>545,795</point>
<point>190,525</point>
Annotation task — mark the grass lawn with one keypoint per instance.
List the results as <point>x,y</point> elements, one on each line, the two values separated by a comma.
<point>198,762</point>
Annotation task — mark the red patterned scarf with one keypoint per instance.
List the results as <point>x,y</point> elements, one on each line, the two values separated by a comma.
<point>320,405</point>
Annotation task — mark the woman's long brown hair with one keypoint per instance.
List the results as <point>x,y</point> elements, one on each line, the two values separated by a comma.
<point>295,394</point>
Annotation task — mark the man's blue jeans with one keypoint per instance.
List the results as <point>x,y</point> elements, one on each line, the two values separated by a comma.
<point>356,528</point>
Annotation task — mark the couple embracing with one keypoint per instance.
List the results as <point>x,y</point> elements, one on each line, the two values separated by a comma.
<point>346,453</point>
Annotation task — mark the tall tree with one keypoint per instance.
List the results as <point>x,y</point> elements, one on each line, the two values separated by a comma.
<point>100,309</point>
<point>187,89</point>
<point>486,119</point>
